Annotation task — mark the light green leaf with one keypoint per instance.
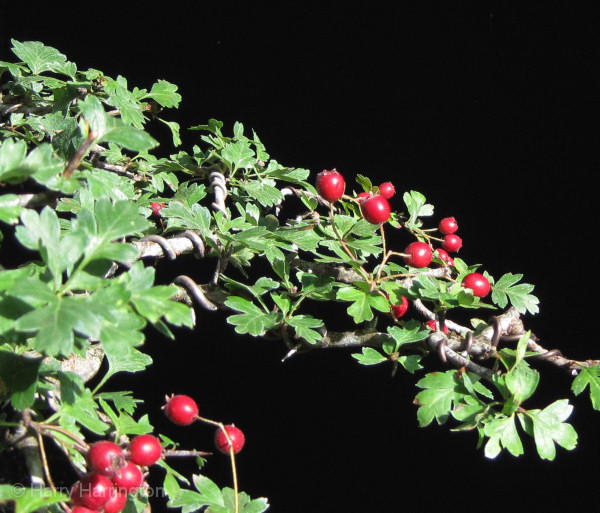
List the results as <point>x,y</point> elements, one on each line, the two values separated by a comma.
<point>362,299</point>
<point>165,94</point>
<point>417,207</point>
<point>10,208</point>
<point>130,137</point>
<point>252,320</point>
<point>304,326</point>
<point>549,427</point>
<point>505,290</point>
<point>194,217</point>
<point>264,192</point>
<point>37,56</point>
<point>522,381</point>
<point>502,432</point>
<point>588,376</point>
<point>238,154</point>
<point>407,334</point>
<point>369,356</point>
<point>441,391</point>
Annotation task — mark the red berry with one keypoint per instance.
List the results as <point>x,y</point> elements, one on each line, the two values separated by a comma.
<point>145,450</point>
<point>235,435</point>
<point>362,196</point>
<point>418,254</point>
<point>156,208</point>
<point>400,310</point>
<point>448,225</point>
<point>452,242</point>
<point>433,326</point>
<point>181,409</point>
<point>116,503</point>
<point>376,209</point>
<point>105,457</point>
<point>129,478</point>
<point>330,185</point>
<point>478,283</point>
<point>443,255</point>
<point>387,190</point>
<point>93,491</point>
<point>83,509</point>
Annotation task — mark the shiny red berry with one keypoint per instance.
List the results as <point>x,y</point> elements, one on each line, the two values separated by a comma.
<point>452,242</point>
<point>145,450</point>
<point>129,478</point>
<point>181,409</point>
<point>93,491</point>
<point>400,310</point>
<point>362,196</point>
<point>330,185</point>
<point>433,327</point>
<point>443,255</point>
<point>235,435</point>
<point>376,209</point>
<point>478,283</point>
<point>418,254</point>
<point>116,503</point>
<point>105,457</point>
<point>448,225</point>
<point>387,190</point>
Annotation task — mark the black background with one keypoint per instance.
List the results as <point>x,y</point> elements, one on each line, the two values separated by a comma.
<point>488,108</point>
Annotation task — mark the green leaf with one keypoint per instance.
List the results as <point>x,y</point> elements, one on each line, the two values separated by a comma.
<point>502,432</point>
<point>133,361</point>
<point>364,182</point>
<point>19,376</point>
<point>441,391</point>
<point>369,356</point>
<point>588,376</point>
<point>264,192</point>
<point>522,381</point>
<point>194,217</point>
<point>209,490</point>
<point>130,137</point>
<point>505,290</point>
<point>165,94</point>
<point>549,427</point>
<point>417,206</point>
<point>118,219</point>
<point>362,300</point>
<point>175,131</point>
<point>246,505</point>
<point>37,56</point>
<point>10,208</point>
<point>239,155</point>
<point>252,320</point>
<point>407,334</point>
<point>29,500</point>
<point>304,326</point>
<point>126,101</point>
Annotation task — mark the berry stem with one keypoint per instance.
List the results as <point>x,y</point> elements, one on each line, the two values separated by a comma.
<point>221,426</point>
<point>345,247</point>
<point>178,453</point>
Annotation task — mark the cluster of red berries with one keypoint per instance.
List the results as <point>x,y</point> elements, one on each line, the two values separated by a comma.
<point>113,473</point>
<point>183,411</point>
<point>376,209</point>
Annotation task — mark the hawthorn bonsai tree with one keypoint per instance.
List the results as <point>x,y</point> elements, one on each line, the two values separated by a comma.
<point>93,212</point>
